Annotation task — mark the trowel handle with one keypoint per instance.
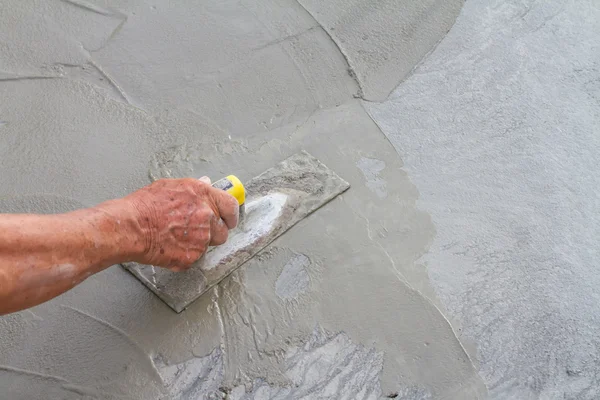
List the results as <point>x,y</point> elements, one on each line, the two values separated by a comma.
<point>232,185</point>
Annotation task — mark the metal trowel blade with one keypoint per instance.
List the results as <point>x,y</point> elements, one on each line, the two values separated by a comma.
<point>276,200</point>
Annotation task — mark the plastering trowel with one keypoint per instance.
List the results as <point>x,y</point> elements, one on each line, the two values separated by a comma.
<point>273,201</point>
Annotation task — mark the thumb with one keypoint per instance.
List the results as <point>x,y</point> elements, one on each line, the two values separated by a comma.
<point>205,179</point>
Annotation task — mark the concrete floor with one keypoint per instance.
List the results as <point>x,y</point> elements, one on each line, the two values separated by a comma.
<point>460,264</point>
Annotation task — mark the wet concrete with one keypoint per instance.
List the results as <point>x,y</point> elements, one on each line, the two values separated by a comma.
<point>106,95</point>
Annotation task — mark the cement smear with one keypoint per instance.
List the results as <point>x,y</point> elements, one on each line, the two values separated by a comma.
<point>102,91</point>
<point>499,131</point>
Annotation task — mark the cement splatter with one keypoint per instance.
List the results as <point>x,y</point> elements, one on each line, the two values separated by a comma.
<point>294,278</point>
<point>371,167</point>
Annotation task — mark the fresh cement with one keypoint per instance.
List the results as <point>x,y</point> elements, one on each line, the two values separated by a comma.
<point>100,97</point>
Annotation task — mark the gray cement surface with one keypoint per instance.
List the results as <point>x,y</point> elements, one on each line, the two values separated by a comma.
<point>461,259</point>
<point>498,129</point>
<point>383,40</point>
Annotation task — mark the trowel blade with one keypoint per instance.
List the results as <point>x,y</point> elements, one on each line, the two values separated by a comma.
<point>277,199</point>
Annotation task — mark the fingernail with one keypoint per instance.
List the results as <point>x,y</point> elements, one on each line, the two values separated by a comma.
<point>205,179</point>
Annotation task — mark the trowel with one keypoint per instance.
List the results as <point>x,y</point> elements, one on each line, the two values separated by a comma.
<point>270,204</point>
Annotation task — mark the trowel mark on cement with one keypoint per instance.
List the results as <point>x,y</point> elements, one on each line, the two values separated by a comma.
<point>327,366</point>
<point>294,279</point>
<point>192,379</point>
<point>371,167</point>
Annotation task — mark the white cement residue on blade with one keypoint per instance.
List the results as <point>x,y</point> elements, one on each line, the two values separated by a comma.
<point>260,218</point>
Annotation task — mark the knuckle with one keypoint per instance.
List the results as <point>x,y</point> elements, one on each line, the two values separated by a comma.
<point>205,214</point>
<point>194,184</point>
<point>189,181</point>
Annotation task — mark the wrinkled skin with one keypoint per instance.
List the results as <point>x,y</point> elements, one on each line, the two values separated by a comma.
<point>181,218</point>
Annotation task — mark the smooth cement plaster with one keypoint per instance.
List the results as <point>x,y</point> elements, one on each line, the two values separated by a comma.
<point>100,97</point>
<point>499,130</point>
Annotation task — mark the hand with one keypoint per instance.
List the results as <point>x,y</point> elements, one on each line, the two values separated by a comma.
<point>180,218</point>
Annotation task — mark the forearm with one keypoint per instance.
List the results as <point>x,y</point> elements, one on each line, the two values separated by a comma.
<point>169,223</point>
<point>42,256</point>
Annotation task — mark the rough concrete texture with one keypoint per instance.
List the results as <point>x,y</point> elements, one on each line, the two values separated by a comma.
<point>383,40</point>
<point>326,366</point>
<point>498,129</point>
<point>495,225</point>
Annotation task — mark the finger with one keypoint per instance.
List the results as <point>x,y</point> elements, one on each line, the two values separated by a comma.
<point>227,206</point>
<point>205,179</point>
<point>218,232</point>
<point>178,267</point>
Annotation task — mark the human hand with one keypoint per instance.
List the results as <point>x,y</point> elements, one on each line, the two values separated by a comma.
<point>179,218</point>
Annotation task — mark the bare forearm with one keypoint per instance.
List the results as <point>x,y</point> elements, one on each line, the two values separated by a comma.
<point>169,223</point>
<point>42,256</point>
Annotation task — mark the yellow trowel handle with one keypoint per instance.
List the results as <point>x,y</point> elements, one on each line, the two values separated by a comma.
<point>232,185</point>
